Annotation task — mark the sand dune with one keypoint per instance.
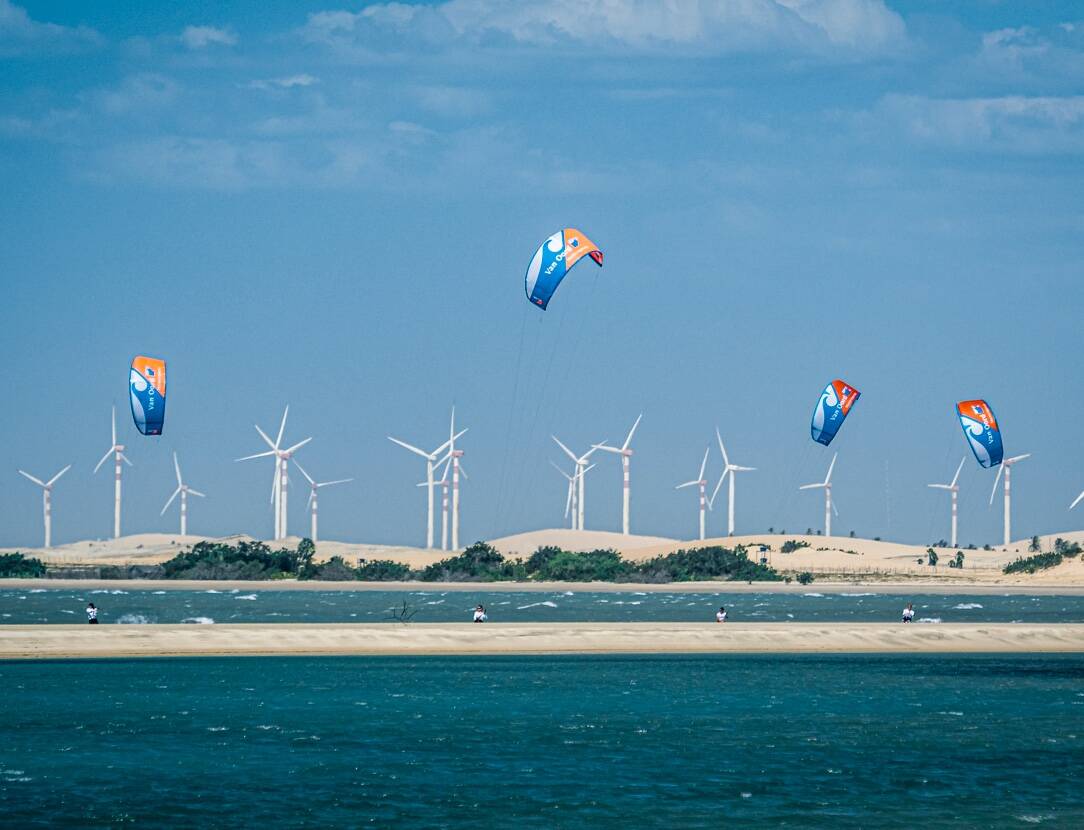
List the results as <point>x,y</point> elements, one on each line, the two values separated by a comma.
<point>835,557</point>
<point>62,641</point>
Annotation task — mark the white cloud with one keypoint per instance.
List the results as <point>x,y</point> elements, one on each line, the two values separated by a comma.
<point>200,37</point>
<point>1014,123</point>
<point>701,25</point>
<point>288,82</point>
<point>19,34</point>
<point>135,93</point>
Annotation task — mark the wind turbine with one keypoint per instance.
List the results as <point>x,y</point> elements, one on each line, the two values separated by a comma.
<point>954,489</point>
<point>1006,465</point>
<point>182,489</point>
<point>444,484</point>
<point>580,463</point>
<point>430,463</point>
<point>731,469</point>
<point>570,500</point>
<point>281,480</point>
<point>47,501</point>
<point>702,484</point>
<point>829,505</point>
<point>313,496</point>
<point>454,455</point>
<point>118,455</point>
<point>625,454</point>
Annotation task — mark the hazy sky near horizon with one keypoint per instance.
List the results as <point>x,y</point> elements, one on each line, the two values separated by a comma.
<point>332,205</point>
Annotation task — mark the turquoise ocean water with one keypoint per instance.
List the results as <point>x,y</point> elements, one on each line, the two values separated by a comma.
<point>612,742</point>
<point>122,604</point>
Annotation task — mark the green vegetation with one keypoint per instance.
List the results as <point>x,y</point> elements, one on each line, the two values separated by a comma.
<point>478,563</point>
<point>1031,564</point>
<point>1067,549</point>
<point>1034,547</point>
<point>805,578</point>
<point>15,565</point>
<point>792,545</point>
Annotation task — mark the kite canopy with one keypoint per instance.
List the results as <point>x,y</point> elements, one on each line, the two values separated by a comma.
<point>981,430</point>
<point>553,260</point>
<point>147,384</point>
<point>835,402</point>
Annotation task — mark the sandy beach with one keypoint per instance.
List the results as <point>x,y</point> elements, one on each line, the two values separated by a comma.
<point>80,641</point>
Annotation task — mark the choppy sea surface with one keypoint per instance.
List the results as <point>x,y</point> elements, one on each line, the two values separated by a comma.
<point>125,605</point>
<point>610,742</point>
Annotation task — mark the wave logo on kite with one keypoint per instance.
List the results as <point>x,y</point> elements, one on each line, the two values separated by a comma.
<point>147,385</point>
<point>552,262</point>
<point>831,410</point>
<point>982,432</point>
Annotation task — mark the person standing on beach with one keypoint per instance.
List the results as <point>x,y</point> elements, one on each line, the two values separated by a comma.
<point>909,613</point>
<point>720,615</point>
<point>480,613</point>
<point>92,613</point>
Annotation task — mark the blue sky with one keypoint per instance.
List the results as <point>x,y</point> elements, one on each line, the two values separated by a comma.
<point>332,206</point>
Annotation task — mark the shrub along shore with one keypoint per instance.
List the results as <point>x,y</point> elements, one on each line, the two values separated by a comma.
<point>478,563</point>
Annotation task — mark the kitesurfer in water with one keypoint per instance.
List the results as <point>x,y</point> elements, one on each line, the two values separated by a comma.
<point>909,613</point>
<point>720,615</point>
<point>480,613</point>
<point>92,613</point>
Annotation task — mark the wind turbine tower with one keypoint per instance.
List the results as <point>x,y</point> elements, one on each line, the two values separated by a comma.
<point>281,479</point>
<point>182,490</point>
<point>731,469</point>
<point>314,486</point>
<point>1006,466</point>
<point>953,488</point>
<point>117,450</point>
<point>626,455</point>
<point>829,505</point>
<point>702,484</point>
<point>47,500</point>
<point>581,469</point>
<point>430,462</point>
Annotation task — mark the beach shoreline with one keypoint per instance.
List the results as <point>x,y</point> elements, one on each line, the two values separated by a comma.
<point>21,642</point>
<point>707,587</point>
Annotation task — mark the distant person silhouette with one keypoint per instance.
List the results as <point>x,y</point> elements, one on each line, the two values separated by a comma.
<point>909,613</point>
<point>480,615</point>
<point>720,615</point>
<point>92,613</point>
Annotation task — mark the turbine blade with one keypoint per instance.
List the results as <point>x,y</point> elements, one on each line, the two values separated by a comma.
<point>738,469</point>
<point>41,483</point>
<point>108,453</point>
<point>308,504</point>
<point>703,464</point>
<point>1076,501</point>
<point>170,501</point>
<point>53,480</point>
<point>177,468</point>
<point>307,476</point>
<point>831,466</point>
<point>463,472</point>
<point>833,503</point>
<point>568,499</point>
<point>1016,458</point>
<point>687,484</point>
<point>997,478</point>
<point>715,492</point>
<point>810,486</point>
<point>267,440</point>
<point>282,426</point>
<point>298,445</point>
<point>336,481</point>
<point>192,492</point>
<point>604,448</point>
<point>962,460</point>
<point>568,452</point>
<point>257,455</point>
<point>940,486</point>
<point>594,447</point>
<point>562,472</point>
<point>628,439</point>
<point>726,458</point>
<point>114,426</point>
<point>410,447</point>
